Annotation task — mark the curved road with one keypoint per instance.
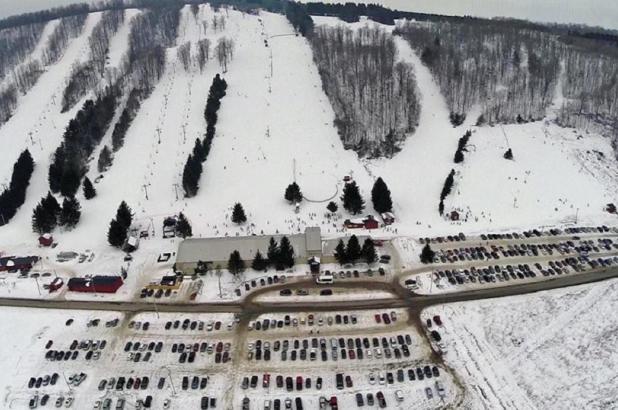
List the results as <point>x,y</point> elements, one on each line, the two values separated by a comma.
<point>250,306</point>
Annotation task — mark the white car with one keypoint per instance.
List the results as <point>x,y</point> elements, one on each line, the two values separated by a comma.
<point>399,395</point>
<point>440,389</point>
<point>69,402</point>
<point>372,378</point>
<point>167,403</point>
<point>382,379</point>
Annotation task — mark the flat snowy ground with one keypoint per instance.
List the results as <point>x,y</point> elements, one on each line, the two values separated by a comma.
<point>550,350</point>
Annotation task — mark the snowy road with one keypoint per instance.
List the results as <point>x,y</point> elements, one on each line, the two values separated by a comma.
<point>249,306</point>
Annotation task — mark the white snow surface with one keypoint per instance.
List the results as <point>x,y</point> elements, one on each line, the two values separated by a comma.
<point>550,350</point>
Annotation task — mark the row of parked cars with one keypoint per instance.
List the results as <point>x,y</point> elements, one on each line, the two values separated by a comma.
<point>199,325</point>
<point>341,348</point>
<point>280,382</point>
<point>309,320</point>
<point>187,352</point>
<point>267,280</point>
<point>36,401</point>
<point>158,294</point>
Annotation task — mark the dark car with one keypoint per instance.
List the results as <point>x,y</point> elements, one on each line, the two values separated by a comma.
<point>161,383</point>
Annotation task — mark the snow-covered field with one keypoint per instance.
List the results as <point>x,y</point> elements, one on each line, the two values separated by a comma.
<point>550,350</point>
<point>276,124</point>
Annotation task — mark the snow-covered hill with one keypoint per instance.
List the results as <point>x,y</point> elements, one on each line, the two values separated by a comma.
<point>276,125</point>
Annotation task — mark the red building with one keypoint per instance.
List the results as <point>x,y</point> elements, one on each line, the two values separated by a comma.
<point>96,284</point>
<point>368,223</point>
<point>17,263</point>
<point>46,239</point>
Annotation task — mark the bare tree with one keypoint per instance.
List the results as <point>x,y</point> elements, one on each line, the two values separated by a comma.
<point>225,52</point>
<point>203,52</point>
<point>184,55</point>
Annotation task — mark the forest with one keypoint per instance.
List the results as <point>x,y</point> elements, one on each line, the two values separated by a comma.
<point>87,75</point>
<point>374,98</point>
<point>510,73</point>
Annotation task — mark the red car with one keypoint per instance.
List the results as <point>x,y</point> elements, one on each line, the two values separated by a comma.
<point>378,318</point>
<point>333,403</point>
<point>299,382</point>
<point>348,381</point>
<point>386,319</point>
<point>381,400</point>
<point>438,320</point>
<point>351,354</point>
<point>266,380</point>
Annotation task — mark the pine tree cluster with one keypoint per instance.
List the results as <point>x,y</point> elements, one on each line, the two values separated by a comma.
<point>118,227</point>
<point>299,18</point>
<point>126,118</point>
<point>48,214</point>
<point>193,167</point>
<point>279,255</point>
<point>461,147</point>
<point>446,190</point>
<point>508,154</point>
<point>14,196</point>
<point>352,200</point>
<point>293,193</point>
<point>381,197</point>
<point>81,136</point>
<point>352,252</point>
<point>332,207</point>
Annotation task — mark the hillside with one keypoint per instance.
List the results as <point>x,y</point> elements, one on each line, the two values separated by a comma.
<point>276,124</point>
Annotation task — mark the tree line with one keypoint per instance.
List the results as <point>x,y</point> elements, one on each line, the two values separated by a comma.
<point>352,252</point>
<point>85,76</point>
<point>14,195</point>
<point>193,167</point>
<point>81,136</point>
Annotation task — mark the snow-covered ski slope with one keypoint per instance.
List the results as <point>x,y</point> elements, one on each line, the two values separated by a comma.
<point>276,125</point>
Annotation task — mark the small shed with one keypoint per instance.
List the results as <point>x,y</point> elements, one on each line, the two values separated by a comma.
<point>454,216</point>
<point>55,285</point>
<point>388,218</point>
<point>46,239</point>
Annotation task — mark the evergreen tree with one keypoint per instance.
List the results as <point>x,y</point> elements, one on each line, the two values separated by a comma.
<point>124,216</point>
<point>286,253</point>
<point>70,181</point>
<point>448,185</point>
<point>191,176</point>
<point>508,154</point>
<point>235,264</point>
<point>368,253</point>
<point>89,191</point>
<point>14,196</point>
<point>427,254</point>
<point>105,159</point>
<point>381,197</point>
<point>198,150</point>
<point>238,214</point>
<point>273,252</point>
<point>293,193</point>
<point>55,169</point>
<point>332,207</point>
<point>353,249</point>
<point>117,234</point>
<point>441,207</point>
<point>70,213</point>
<point>51,205</point>
<point>459,157</point>
<point>340,253</point>
<point>352,200</point>
<point>183,227</point>
<point>259,263</point>
<point>44,220</point>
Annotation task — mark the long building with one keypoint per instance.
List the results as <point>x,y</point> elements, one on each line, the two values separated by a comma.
<point>216,251</point>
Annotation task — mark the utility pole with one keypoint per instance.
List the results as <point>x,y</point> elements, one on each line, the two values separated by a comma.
<point>145,186</point>
<point>176,189</point>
